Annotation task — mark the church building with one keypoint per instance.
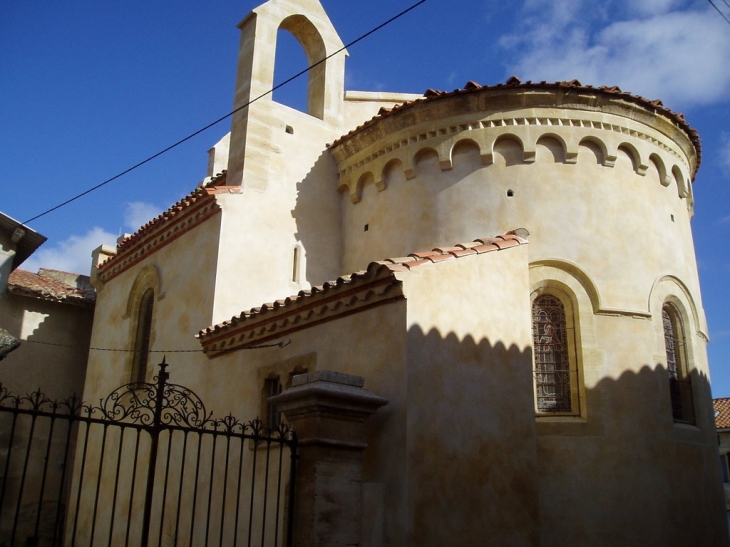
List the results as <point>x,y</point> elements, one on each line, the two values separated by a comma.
<point>509,268</point>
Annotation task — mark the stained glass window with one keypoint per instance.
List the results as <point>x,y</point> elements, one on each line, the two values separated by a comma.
<point>680,387</point>
<point>552,360</point>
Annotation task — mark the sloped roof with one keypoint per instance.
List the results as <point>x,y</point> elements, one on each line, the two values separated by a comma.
<point>27,244</point>
<point>184,215</point>
<point>515,83</point>
<point>347,294</point>
<point>53,285</point>
<point>722,412</point>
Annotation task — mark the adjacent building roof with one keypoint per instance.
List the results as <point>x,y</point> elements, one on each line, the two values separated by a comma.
<point>516,84</point>
<point>28,240</point>
<point>53,285</point>
<point>722,412</point>
<point>374,286</point>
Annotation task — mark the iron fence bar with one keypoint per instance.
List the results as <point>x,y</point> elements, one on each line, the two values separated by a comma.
<point>62,482</point>
<point>253,483</point>
<point>10,453</point>
<point>266,490</point>
<point>98,483</point>
<point>292,475</point>
<point>164,489</point>
<point>181,484</point>
<point>195,487</point>
<point>29,446</point>
<point>43,479</point>
<point>238,492</point>
<point>153,408</point>
<point>278,495</point>
<point>225,490</point>
<point>116,483</point>
<point>131,491</point>
<point>210,484</point>
<point>154,432</point>
<point>81,483</point>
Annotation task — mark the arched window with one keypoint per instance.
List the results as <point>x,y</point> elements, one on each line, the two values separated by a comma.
<point>142,336</point>
<point>680,386</point>
<point>554,365</point>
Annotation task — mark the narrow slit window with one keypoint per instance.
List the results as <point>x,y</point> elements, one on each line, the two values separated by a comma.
<point>272,386</point>
<point>143,336</point>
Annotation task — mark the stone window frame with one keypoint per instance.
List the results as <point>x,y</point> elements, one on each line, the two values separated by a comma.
<point>141,311</point>
<point>678,363</point>
<point>576,386</point>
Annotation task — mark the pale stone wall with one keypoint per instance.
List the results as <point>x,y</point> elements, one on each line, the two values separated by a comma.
<point>52,358</point>
<point>602,185</point>
<point>57,348</point>
<point>472,456</point>
<point>183,301</point>
<point>604,191</point>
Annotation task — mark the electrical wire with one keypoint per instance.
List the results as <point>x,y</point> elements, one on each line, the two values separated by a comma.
<point>720,12</point>
<point>279,344</point>
<point>222,118</point>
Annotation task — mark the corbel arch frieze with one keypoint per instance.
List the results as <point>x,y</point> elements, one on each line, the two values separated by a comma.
<point>640,162</point>
<point>406,147</point>
<point>681,180</point>
<point>390,165</point>
<point>661,168</point>
<point>545,136</point>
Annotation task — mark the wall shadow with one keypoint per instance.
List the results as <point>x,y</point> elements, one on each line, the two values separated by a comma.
<point>481,467</point>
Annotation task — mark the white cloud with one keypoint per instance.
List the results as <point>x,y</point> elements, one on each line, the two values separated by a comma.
<point>138,213</point>
<point>653,7</point>
<point>74,254</point>
<point>681,56</point>
<point>724,152</point>
<point>70,255</point>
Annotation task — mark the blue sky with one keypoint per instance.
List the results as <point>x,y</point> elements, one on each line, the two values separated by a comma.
<point>89,88</point>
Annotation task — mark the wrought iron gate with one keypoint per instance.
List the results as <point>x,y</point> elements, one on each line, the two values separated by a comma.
<point>147,466</point>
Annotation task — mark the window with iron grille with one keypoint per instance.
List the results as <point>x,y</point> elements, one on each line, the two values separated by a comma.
<point>552,369</point>
<point>680,386</point>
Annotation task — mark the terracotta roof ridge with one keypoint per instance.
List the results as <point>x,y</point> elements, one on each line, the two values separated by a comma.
<point>514,82</point>
<point>377,271</point>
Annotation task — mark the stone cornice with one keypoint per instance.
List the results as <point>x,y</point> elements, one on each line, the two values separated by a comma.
<point>513,96</point>
<point>378,285</point>
<point>305,310</point>
<point>182,217</point>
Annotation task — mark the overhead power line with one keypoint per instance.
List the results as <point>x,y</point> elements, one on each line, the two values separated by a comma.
<point>719,11</point>
<point>199,131</point>
<point>279,344</point>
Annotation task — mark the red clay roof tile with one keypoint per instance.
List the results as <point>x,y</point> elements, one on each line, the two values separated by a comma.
<point>514,82</point>
<point>383,269</point>
<point>53,285</point>
<point>722,412</point>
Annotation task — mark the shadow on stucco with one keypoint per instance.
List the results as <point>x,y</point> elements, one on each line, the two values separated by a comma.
<point>482,468</point>
<point>318,220</point>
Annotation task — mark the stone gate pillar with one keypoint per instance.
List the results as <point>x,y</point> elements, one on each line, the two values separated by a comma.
<point>327,411</point>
